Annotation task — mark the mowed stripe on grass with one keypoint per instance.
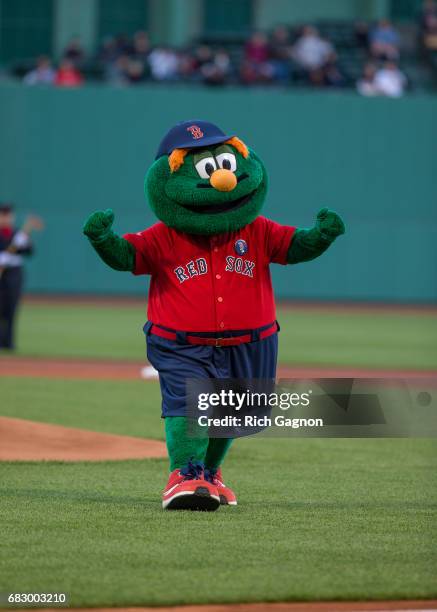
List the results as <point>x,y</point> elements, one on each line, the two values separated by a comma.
<point>316,336</point>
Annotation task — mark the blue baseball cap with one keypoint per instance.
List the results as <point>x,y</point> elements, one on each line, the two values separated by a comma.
<point>190,135</point>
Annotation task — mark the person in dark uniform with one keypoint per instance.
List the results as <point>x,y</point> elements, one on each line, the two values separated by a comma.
<point>14,245</point>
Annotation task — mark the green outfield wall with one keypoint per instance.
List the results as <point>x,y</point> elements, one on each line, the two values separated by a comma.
<point>66,153</point>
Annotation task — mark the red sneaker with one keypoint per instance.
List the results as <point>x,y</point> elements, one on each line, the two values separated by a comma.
<point>188,490</point>
<point>227,496</point>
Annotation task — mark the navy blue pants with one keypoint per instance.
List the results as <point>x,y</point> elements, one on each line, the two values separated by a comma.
<point>11,282</point>
<point>176,362</point>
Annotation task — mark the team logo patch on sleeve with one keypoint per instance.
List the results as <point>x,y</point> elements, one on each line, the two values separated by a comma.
<point>241,247</point>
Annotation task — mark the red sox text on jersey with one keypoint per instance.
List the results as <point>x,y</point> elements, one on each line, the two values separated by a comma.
<point>200,266</point>
<point>215,283</point>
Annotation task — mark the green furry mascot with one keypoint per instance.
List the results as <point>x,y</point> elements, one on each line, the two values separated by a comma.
<point>211,310</point>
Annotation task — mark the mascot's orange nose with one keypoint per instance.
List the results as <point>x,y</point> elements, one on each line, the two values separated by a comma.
<point>223,180</point>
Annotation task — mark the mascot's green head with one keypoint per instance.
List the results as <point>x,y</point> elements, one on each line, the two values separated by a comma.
<point>204,182</point>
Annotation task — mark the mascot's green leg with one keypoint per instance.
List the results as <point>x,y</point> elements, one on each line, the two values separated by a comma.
<point>181,448</point>
<point>216,452</point>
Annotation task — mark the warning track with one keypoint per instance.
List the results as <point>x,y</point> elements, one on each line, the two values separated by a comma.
<point>126,370</point>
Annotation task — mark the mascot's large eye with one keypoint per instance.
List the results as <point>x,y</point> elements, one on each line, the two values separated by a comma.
<point>227,161</point>
<point>206,166</point>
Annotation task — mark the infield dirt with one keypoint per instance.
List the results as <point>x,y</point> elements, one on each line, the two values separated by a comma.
<point>316,606</point>
<point>23,440</point>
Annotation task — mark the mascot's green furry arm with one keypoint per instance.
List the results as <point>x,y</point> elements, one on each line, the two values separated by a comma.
<point>119,254</point>
<point>116,252</point>
<point>308,244</point>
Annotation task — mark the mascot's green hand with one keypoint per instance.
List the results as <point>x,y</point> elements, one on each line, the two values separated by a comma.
<point>329,224</point>
<point>308,244</point>
<point>115,251</point>
<point>98,225</point>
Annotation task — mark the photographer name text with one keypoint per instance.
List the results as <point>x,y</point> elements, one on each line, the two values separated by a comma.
<point>257,422</point>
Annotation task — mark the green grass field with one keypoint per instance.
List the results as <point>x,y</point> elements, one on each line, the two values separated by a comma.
<point>329,519</point>
<point>314,337</point>
<point>317,518</point>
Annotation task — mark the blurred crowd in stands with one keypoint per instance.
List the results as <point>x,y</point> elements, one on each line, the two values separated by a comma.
<point>287,57</point>
<point>428,25</point>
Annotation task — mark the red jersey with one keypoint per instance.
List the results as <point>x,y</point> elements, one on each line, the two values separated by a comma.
<point>68,77</point>
<point>211,283</point>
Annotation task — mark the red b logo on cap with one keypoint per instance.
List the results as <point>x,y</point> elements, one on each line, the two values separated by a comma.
<point>196,132</point>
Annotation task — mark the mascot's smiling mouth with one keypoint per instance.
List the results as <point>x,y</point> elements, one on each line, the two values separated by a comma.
<point>222,206</point>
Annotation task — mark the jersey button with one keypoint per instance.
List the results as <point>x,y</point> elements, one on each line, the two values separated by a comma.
<point>222,325</point>
<point>219,299</point>
<point>215,249</point>
<point>218,276</point>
